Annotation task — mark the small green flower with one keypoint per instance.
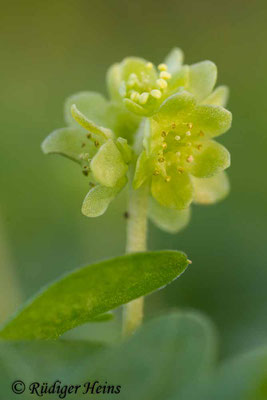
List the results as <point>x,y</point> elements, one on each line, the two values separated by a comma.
<point>92,140</point>
<point>174,112</point>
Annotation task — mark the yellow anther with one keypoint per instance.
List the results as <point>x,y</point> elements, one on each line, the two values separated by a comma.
<point>178,153</point>
<point>162,67</point>
<point>88,135</point>
<point>177,137</point>
<point>164,145</point>
<point>156,172</point>
<point>189,144</point>
<point>134,96</point>
<point>167,179</point>
<point>174,125</point>
<point>149,65</point>
<point>162,84</point>
<point>199,146</point>
<point>163,134</point>
<point>190,125</point>
<point>156,93</point>
<point>96,144</point>
<point>143,98</point>
<point>201,133</point>
<point>180,170</point>
<point>188,133</point>
<point>161,159</point>
<point>190,158</point>
<point>165,75</point>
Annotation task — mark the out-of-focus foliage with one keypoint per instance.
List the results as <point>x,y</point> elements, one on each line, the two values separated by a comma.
<point>50,50</point>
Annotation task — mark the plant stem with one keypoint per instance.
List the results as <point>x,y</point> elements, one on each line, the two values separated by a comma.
<point>136,241</point>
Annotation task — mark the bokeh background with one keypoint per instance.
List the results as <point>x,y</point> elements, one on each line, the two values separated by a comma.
<point>52,49</point>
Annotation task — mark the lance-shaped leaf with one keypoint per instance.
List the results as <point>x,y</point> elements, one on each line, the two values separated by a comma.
<point>80,296</point>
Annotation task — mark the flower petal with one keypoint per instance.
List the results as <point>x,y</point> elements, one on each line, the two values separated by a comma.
<point>98,199</point>
<point>108,166</point>
<point>69,142</point>
<point>174,60</point>
<point>176,194</point>
<point>175,107</point>
<point>211,159</point>
<point>93,105</point>
<point>211,120</point>
<point>169,220</point>
<point>211,190</point>
<point>202,78</point>
<point>218,97</point>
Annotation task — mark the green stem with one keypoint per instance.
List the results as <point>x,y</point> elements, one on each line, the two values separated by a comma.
<point>136,241</point>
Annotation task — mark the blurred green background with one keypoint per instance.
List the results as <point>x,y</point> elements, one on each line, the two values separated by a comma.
<point>52,49</point>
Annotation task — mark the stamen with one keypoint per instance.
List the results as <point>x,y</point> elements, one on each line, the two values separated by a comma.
<point>164,145</point>
<point>199,146</point>
<point>156,93</point>
<point>83,144</point>
<point>161,159</point>
<point>190,158</point>
<point>143,98</point>
<point>177,137</point>
<point>178,153</point>
<point>201,133</point>
<point>167,179</point>
<point>165,75</point>
<point>174,125</point>
<point>88,135</point>
<point>96,143</point>
<point>163,134</point>
<point>180,170</point>
<point>188,133</point>
<point>162,84</point>
<point>190,125</point>
<point>149,65</point>
<point>156,172</point>
<point>162,67</point>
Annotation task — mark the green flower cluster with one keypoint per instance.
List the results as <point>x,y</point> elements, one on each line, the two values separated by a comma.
<point>162,121</point>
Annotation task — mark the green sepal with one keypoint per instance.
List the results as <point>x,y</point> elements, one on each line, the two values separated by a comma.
<point>143,170</point>
<point>91,104</point>
<point>176,194</point>
<point>135,108</point>
<point>113,82</point>
<point>174,60</point>
<point>108,166</point>
<point>70,142</point>
<point>89,125</point>
<point>211,120</point>
<point>167,219</point>
<point>211,190</point>
<point>175,108</point>
<point>218,97</point>
<point>212,159</point>
<point>98,199</point>
<point>125,149</point>
<point>202,78</point>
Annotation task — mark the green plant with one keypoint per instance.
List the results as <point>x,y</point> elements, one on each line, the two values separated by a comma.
<point>155,135</point>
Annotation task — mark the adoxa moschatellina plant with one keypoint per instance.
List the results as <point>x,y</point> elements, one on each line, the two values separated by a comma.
<point>156,134</point>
